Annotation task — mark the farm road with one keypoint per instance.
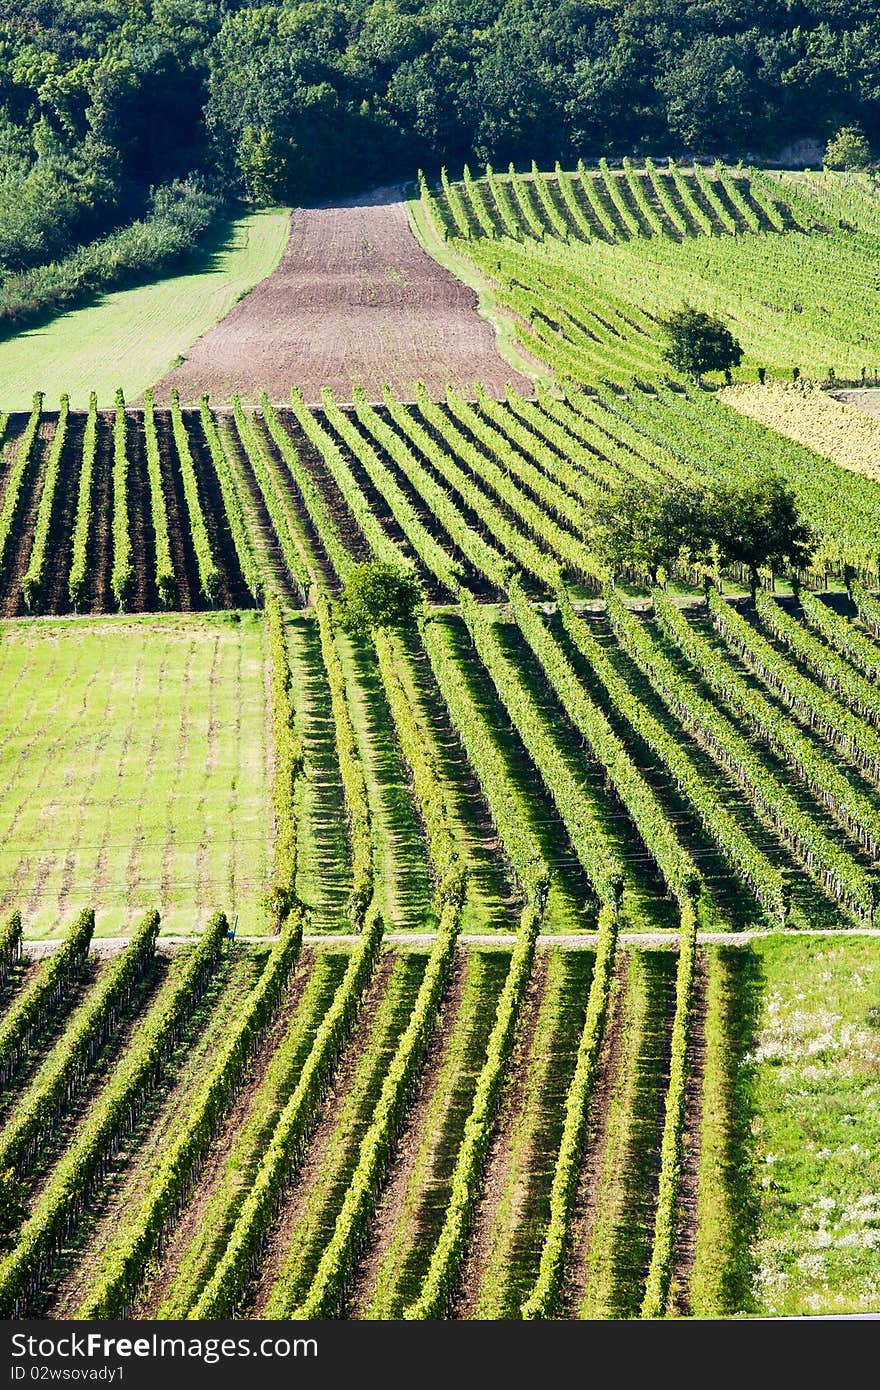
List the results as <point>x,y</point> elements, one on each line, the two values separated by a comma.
<point>354,301</point>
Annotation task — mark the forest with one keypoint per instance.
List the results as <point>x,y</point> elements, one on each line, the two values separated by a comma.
<point>102,102</point>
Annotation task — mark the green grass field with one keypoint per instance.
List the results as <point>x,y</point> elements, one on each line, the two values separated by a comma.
<point>130,338</point>
<point>816,1125</point>
<point>134,771</point>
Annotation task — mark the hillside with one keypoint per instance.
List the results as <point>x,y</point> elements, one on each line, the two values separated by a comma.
<point>514,953</point>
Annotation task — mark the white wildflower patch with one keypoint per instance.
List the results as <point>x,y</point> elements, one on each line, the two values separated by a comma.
<point>811,1037</point>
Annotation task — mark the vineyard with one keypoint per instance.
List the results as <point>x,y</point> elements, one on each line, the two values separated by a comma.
<point>532,928</point>
<point>587,263</point>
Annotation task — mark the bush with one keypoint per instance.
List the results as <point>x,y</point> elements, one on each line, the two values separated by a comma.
<point>848,149</point>
<point>378,594</point>
<point>699,343</point>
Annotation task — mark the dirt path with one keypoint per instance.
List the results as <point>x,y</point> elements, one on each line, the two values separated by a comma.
<point>355,300</point>
<point>868,400</point>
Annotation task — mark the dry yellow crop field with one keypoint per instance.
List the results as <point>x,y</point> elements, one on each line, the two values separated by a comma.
<point>841,432</point>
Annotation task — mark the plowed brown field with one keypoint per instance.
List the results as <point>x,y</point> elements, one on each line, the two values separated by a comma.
<point>354,301</point>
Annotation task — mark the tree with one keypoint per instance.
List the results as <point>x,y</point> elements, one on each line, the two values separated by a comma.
<point>848,149</point>
<point>378,594</point>
<point>699,343</point>
<point>645,530</point>
<point>13,1209</point>
<point>759,526</point>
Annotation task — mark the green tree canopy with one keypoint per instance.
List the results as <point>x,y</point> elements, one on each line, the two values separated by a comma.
<point>645,530</point>
<point>378,594</point>
<point>649,531</point>
<point>848,149</point>
<point>699,342</point>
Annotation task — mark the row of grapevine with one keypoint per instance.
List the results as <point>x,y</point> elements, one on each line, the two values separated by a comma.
<point>732,188</point>
<point>853,808</point>
<point>747,858</point>
<point>543,1300</point>
<point>767,791</point>
<point>76,583</point>
<point>530,218</point>
<point>659,1278</point>
<point>430,794</point>
<point>52,982</point>
<point>10,944</point>
<point>867,605</point>
<point>653,825</point>
<point>484,558</point>
<point>116,1283</point>
<point>113,1114</point>
<point>165,585</point>
<point>502,202</point>
<point>692,206</point>
<point>578,218</point>
<point>594,850</point>
<point>122,577</point>
<point>64,1070</point>
<point>35,575</point>
<point>523,548</point>
<point>598,207</point>
<point>242,539</point>
<point>381,547</point>
<point>478,204</point>
<point>854,736</point>
<point>432,555</point>
<point>291,1134</point>
<point>351,770</point>
<point>554,217</point>
<point>17,477</point>
<point>319,514</point>
<point>612,188</point>
<point>438,1287</point>
<point>495,435</point>
<point>643,204</point>
<point>518,842</point>
<point>660,188</point>
<point>288,765</point>
<point>353,1223</point>
<point>209,575</point>
<point>822,661</point>
<point>273,496</point>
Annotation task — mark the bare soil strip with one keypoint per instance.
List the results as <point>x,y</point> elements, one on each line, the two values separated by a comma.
<point>686,1222</point>
<point>100,541</point>
<point>186,579</point>
<point>309,1172</point>
<point>592,1161</point>
<point>21,541</point>
<point>354,301</point>
<point>212,1171</point>
<point>233,590</point>
<point>140,520</point>
<point>499,1156</point>
<point>392,1207</point>
<point>60,548</point>
<point>266,543</point>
